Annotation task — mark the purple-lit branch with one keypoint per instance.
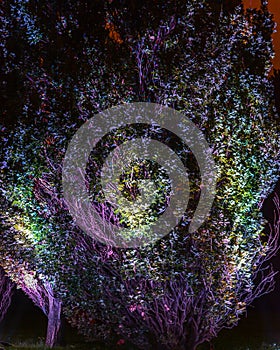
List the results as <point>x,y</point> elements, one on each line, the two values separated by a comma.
<point>264,274</point>
<point>42,295</point>
<point>6,293</point>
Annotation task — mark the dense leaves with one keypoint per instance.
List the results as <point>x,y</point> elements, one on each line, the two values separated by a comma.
<point>73,59</point>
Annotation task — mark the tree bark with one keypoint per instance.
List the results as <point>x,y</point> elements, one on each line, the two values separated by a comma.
<point>6,293</point>
<point>54,322</point>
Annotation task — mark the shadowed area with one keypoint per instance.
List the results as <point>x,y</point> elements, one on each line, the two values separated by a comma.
<point>274,7</point>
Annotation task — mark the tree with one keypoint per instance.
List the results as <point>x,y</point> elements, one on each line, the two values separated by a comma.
<point>184,289</point>
<point>17,260</point>
<point>6,293</point>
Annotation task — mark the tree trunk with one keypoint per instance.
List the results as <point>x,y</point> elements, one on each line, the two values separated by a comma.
<point>54,322</point>
<point>192,342</point>
<point>6,293</point>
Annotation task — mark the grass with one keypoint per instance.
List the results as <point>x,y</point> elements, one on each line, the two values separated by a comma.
<point>30,344</point>
<point>40,346</point>
<point>261,347</point>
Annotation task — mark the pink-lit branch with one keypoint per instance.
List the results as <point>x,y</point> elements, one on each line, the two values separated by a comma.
<point>6,293</point>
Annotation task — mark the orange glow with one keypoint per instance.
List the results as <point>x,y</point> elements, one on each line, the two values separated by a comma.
<point>274,8</point>
<point>113,34</point>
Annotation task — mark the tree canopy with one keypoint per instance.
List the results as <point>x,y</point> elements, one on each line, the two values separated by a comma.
<point>73,59</point>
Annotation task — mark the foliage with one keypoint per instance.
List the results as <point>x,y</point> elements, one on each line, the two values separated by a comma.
<point>184,289</point>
